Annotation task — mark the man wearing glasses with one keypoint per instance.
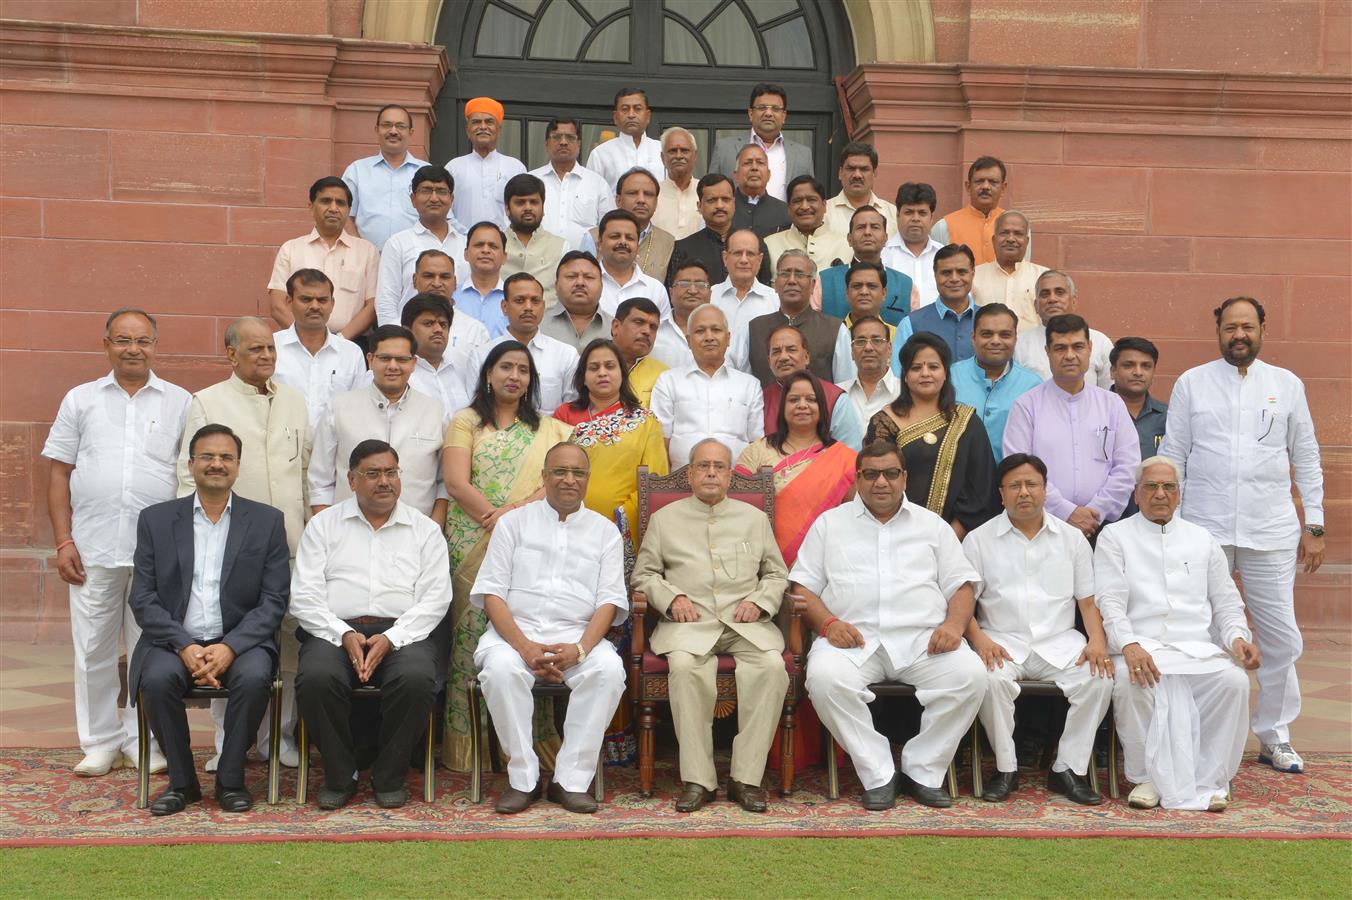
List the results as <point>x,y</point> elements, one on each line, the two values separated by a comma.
<point>689,290</point>
<point>112,448</point>
<point>892,609</point>
<point>575,197</point>
<point>828,341</point>
<point>380,183</point>
<point>767,111</point>
<point>874,386</point>
<point>372,583</point>
<point>432,192</point>
<point>552,585</point>
<point>709,565</point>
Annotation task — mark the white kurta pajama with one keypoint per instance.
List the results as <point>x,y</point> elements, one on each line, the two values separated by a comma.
<point>554,576</point>
<point>892,581</point>
<point>1168,588</point>
<point>1025,602</point>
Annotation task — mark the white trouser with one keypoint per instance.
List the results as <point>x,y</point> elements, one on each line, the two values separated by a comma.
<point>949,686</point>
<point>596,685</point>
<point>1213,740</point>
<point>1088,695</point>
<point>100,621</point>
<point>1269,578</point>
<point>290,648</point>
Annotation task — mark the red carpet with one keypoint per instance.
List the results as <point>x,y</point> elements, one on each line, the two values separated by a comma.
<point>43,804</point>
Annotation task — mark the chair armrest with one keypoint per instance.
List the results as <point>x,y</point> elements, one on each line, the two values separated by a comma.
<point>792,610</point>
<point>638,618</point>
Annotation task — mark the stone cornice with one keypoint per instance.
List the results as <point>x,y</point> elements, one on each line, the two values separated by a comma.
<point>969,93</point>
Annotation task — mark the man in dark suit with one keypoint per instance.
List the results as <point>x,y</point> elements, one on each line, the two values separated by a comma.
<point>768,110</point>
<point>756,209</point>
<point>210,583</point>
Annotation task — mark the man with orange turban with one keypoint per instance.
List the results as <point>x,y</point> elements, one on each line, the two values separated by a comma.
<point>483,172</point>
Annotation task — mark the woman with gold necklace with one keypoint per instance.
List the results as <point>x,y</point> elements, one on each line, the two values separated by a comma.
<point>950,468</point>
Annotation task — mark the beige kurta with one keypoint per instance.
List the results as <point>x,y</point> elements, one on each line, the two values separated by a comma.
<point>823,245</point>
<point>992,284</point>
<point>539,258</point>
<point>717,556</point>
<point>275,431</point>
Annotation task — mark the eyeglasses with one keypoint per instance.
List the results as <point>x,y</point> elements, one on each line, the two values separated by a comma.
<point>875,474</point>
<point>426,191</point>
<point>870,342</point>
<point>1018,487</point>
<point>711,465</point>
<point>380,474</point>
<point>565,472</point>
<point>768,108</point>
<point>123,343</point>
<point>387,357</point>
<point>227,458</point>
<point>565,138</point>
<point>685,283</point>
<point>397,126</point>
<point>795,275</point>
<point>1170,487</point>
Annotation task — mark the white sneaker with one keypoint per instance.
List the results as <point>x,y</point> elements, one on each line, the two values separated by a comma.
<point>213,763</point>
<point>1144,796</point>
<point>158,763</point>
<point>1281,757</point>
<point>289,758</point>
<point>1219,801</point>
<point>100,762</point>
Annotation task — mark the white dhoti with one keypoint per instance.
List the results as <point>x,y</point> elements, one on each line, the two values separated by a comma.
<point>596,685</point>
<point>949,686</point>
<point>1185,735</point>
<point>1269,578</point>
<point>101,622</point>
<point>1088,695</point>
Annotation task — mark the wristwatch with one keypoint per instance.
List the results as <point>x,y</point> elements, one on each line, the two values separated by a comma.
<point>1316,530</point>
<point>581,652</point>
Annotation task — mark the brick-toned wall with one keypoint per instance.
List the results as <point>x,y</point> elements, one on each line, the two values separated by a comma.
<point>1164,193</point>
<point>158,169</point>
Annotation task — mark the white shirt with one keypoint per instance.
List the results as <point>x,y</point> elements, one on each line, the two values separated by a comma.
<point>380,196</point>
<point>202,618</point>
<point>890,580</point>
<point>124,449</point>
<point>479,181</point>
<point>1236,441</point>
<point>445,382</point>
<point>671,347</point>
<point>415,425</point>
<point>555,362</point>
<point>338,366</point>
<point>1031,352</point>
<point>776,154</point>
<point>399,260</point>
<point>884,392</point>
<point>574,203</point>
<point>639,285</point>
<point>896,255</point>
<point>552,575</point>
<point>1167,587</point>
<point>678,210</point>
<point>760,299</point>
<point>1027,592</point>
<point>693,405</point>
<point>618,155</point>
<point>345,569</point>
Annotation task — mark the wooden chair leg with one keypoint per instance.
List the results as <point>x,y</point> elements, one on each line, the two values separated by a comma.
<point>429,758</point>
<point>275,745</point>
<point>786,750</point>
<point>476,787</point>
<point>143,740</point>
<point>1113,789</point>
<point>647,723</point>
<point>978,780</point>
<point>832,770</point>
<point>303,765</point>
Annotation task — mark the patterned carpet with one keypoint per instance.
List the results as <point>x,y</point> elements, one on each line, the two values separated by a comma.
<point>43,804</point>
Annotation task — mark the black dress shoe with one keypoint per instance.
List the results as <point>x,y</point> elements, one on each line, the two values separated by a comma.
<point>573,801</point>
<point>693,797</point>
<point>935,797</point>
<point>880,798</point>
<point>336,799</point>
<point>234,800</point>
<point>513,801</point>
<point>392,799</point>
<point>175,800</point>
<point>750,796</point>
<point>1000,786</point>
<point>1076,787</point>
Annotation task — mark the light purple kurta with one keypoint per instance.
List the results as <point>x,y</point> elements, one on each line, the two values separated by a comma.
<point>1088,442</point>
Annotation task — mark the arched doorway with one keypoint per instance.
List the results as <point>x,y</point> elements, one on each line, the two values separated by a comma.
<point>697,59</point>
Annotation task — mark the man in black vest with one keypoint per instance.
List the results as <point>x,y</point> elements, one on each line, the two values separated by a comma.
<point>828,341</point>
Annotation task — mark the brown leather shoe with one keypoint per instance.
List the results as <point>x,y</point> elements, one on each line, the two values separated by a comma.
<point>573,801</point>
<point>512,801</point>
<point>750,796</point>
<point>693,797</point>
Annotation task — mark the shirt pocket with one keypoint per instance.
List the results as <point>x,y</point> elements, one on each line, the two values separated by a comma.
<point>583,209</point>
<point>1269,424</point>
<point>347,285</point>
<point>1058,577</point>
<point>162,444</point>
<point>738,410</point>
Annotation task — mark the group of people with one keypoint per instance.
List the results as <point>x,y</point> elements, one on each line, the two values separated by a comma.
<point>972,485</point>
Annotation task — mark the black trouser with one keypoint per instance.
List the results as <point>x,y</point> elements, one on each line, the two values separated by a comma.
<point>165,680</point>
<point>324,684</point>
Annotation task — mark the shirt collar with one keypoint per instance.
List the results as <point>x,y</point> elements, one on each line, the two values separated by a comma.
<point>418,228</point>
<point>862,512</point>
<point>269,389</point>
<point>409,160</point>
<point>1004,526</point>
<point>197,506</point>
<point>401,514</point>
<point>777,142</point>
<point>153,382</point>
<point>382,402</point>
<point>931,245</point>
<point>343,237</point>
<point>637,276</point>
<point>288,336</point>
<point>943,310</point>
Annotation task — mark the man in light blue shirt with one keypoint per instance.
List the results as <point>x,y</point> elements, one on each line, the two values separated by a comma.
<point>990,381</point>
<point>380,184</point>
<point>953,312</point>
<point>481,295</point>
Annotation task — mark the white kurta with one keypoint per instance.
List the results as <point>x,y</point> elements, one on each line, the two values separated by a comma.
<point>339,366</point>
<point>575,203</point>
<point>618,155</point>
<point>479,181</point>
<point>399,260</point>
<point>692,405</point>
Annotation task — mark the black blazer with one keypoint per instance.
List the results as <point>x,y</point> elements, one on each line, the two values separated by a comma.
<point>255,578</point>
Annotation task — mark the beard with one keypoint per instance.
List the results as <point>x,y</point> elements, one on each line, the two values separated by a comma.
<point>1241,352</point>
<point>526,227</point>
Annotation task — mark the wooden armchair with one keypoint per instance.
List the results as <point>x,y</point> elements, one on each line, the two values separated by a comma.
<point>648,671</point>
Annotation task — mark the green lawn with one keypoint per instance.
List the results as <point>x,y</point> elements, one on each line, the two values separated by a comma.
<point>741,868</point>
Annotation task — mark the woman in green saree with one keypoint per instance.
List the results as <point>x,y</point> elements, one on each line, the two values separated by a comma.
<point>491,463</point>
